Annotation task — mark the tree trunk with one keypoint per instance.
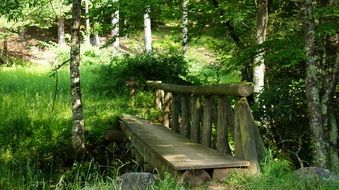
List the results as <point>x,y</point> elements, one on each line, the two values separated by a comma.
<point>329,84</point>
<point>78,137</point>
<point>22,32</point>
<point>88,27</point>
<point>5,51</point>
<point>147,29</point>
<point>115,30</point>
<point>333,141</point>
<point>184,25</point>
<point>312,88</point>
<point>61,31</point>
<point>96,40</point>
<point>259,62</point>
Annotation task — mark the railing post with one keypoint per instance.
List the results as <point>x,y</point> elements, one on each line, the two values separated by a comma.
<point>167,109</point>
<point>222,128</point>
<point>159,96</point>
<point>245,125</point>
<point>207,122</point>
<point>175,112</point>
<point>195,126</point>
<point>184,130</point>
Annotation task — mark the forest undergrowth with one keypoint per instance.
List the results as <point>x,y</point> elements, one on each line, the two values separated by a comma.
<point>35,137</point>
<point>35,121</point>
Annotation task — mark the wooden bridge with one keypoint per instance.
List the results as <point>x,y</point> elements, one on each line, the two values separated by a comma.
<point>197,123</point>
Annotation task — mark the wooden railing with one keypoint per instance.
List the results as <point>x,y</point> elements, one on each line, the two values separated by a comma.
<point>205,115</point>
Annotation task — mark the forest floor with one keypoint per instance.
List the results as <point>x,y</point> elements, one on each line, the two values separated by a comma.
<point>26,105</point>
<point>34,50</point>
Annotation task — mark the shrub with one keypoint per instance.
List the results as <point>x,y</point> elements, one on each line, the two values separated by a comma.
<point>167,67</point>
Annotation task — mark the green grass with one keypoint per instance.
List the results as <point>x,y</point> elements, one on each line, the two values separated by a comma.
<point>279,175</point>
<point>35,140</point>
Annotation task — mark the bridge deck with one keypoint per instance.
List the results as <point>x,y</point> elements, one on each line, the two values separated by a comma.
<point>169,148</point>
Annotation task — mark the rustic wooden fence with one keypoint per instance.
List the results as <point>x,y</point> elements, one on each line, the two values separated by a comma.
<point>205,115</point>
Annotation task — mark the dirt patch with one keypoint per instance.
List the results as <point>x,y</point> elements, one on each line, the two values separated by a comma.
<point>29,48</point>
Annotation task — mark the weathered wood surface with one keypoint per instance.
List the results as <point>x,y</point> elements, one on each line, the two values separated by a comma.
<point>207,122</point>
<point>250,145</point>
<point>184,117</point>
<point>242,90</point>
<point>175,112</point>
<point>169,152</point>
<point>222,126</point>
<point>337,88</point>
<point>167,109</point>
<point>195,121</point>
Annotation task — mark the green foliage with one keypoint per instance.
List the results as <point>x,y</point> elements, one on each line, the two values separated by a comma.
<point>35,142</point>
<point>278,174</point>
<point>168,183</point>
<point>166,67</point>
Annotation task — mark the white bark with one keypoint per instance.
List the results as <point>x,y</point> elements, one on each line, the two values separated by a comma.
<point>259,62</point>
<point>148,30</point>
<point>61,31</point>
<point>96,39</point>
<point>184,25</point>
<point>78,137</point>
<point>88,27</point>
<point>115,31</point>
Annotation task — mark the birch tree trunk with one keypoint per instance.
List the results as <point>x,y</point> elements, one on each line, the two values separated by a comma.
<point>312,87</point>
<point>184,25</point>
<point>88,26</point>
<point>147,29</point>
<point>259,62</point>
<point>78,137</point>
<point>115,31</point>
<point>61,31</point>
<point>96,40</point>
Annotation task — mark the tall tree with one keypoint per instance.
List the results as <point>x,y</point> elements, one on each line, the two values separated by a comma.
<point>115,24</point>
<point>61,31</point>
<point>184,25</point>
<point>88,26</point>
<point>259,62</point>
<point>56,10</point>
<point>321,77</point>
<point>78,137</point>
<point>147,29</point>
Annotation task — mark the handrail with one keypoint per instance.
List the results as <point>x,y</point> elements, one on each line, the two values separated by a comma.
<point>241,90</point>
<point>195,111</point>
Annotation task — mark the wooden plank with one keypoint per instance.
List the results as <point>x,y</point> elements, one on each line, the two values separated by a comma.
<point>170,150</point>
<point>151,157</point>
<point>207,122</point>
<point>222,128</point>
<point>230,118</point>
<point>175,112</point>
<point>184,130</point>
<point>195,126</point>
<point>237,138</point>
<point>247,137</point>
<point>241,90</point>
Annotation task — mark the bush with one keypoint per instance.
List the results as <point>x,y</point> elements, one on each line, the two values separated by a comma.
<point>167,67</point>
